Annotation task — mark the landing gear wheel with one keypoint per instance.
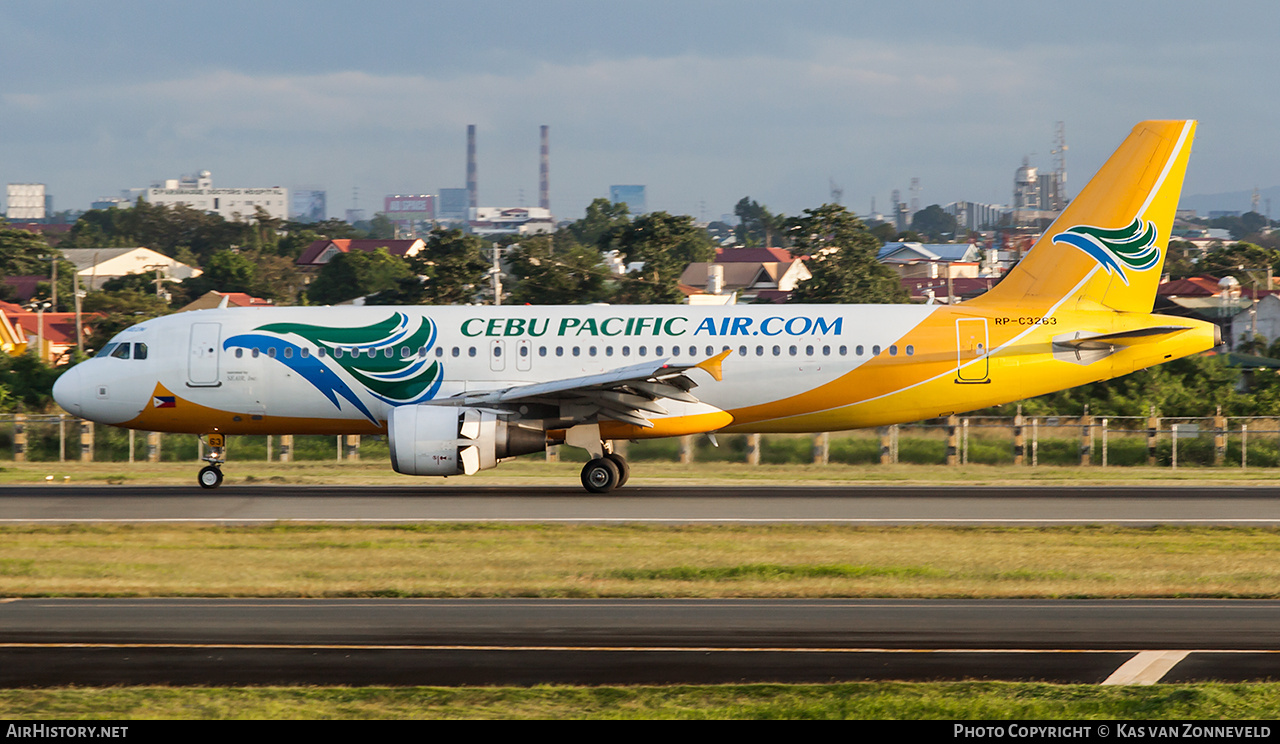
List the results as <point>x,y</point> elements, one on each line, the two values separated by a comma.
<point>210,477</point>
<point>624,470</point>
<point>600,475</point>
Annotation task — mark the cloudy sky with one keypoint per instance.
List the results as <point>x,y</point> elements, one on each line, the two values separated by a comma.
<point>704,102</point>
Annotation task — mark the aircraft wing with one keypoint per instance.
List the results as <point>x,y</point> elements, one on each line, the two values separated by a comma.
<point>624,394</point>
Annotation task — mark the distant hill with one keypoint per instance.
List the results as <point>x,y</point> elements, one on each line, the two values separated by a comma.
<point>1239,201</point>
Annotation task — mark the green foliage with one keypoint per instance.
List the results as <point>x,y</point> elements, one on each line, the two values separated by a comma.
<point>842,259</point>
<point>597,226</point>
<point>27,382</point>
<point>119,309</point>
<point>1240,260</point>
<point>357,274</point>
<point>449,270</point>
<point>935,223</point>
<point>666,244</point>
<point>556,270</point>
<point>757,225</point>
<point>1179,260</point>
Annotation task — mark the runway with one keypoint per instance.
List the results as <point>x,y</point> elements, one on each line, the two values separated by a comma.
<point>951,504</point>
<point>450,642</point>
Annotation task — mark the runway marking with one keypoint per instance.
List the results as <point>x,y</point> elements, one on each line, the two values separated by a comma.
<point>1147,668</point>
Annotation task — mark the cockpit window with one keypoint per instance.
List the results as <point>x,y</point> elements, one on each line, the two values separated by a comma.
<point>139,351</point>
<point>121,351</point>
<point>107,349</point>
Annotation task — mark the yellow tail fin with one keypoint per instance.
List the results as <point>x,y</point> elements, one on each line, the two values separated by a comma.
<point>1108,246</point>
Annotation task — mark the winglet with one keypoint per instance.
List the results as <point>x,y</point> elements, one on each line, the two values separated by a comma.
<point>712,365</point>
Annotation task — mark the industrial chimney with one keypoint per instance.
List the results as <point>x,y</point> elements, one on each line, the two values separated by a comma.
<point>544,174</point>
<point>472,191</point>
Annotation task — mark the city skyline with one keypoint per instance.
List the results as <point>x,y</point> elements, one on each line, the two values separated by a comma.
<point>704,103</point>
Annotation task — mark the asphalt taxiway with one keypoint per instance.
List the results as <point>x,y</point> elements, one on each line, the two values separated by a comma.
<point>950,504</point>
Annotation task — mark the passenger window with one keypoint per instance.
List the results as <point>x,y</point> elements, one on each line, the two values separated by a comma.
<point>875,350</point>
<point>657,351</point>
<point>577,351</point>
<point>322,352</point>
<point>542,351</point>
<point>759,351</point>
<point>777,351</point>
<point>271,352</point>
<point>626,351</point>
<point>559,351</point>
<point>337,352</point>
<point>455,351</point>
<point>826,351</point>
<point>675,351</point>
<point>306,352</point>
<point>742,350</point>
<point>592,351</point>
<point>858,350</point>
<point>644,351</point>
<point>845,350</point>
<point>254,353</point>
<point>608,351</point>
<point>288,352</point>
<point>893,350</point>
<point>911,350</point>
<point>471,351</point>
<point>239,353</point>
<point>524,352</point>
<point>792,351</point>
<point>439,351</point>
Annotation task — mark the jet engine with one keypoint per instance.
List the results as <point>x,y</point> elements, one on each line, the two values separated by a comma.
<point>443,440</point>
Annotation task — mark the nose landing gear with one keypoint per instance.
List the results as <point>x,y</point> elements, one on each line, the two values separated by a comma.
<point>210,476</point>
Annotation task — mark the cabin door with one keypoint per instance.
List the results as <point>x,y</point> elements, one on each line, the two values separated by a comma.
<point>971,351</point>
<point>202,364</point>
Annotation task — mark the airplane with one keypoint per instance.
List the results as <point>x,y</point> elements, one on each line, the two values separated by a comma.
<point>459,389</point>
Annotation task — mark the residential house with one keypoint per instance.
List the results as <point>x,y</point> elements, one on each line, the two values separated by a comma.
<point>322,252</point>
<point>746,274</point>
<point>96,266</point>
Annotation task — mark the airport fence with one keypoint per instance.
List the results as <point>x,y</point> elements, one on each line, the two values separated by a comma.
<point>1111,441</point>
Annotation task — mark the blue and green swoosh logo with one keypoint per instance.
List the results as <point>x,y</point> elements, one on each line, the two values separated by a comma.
<point>1119,251</point>
<point>383,358</point>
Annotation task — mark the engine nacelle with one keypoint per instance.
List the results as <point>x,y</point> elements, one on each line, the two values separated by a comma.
<point>443,440</point>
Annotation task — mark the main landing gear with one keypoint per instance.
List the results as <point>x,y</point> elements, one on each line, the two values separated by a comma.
<point>605,473</point>
<point>210,475</point>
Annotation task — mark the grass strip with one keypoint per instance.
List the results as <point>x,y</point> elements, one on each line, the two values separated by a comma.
<point>878,701</point>
<point>713,561</point>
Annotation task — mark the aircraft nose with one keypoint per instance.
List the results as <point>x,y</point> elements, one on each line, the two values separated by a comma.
<point>68,390</point>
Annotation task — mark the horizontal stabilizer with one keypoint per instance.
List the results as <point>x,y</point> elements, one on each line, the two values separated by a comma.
<point>1120,338</point>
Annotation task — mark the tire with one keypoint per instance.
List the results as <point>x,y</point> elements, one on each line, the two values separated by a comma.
<point>624,469</point>
<point>209,477</point>
<point>600,475</point>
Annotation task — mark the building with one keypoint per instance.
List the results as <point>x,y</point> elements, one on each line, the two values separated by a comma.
<point>197,191</point>
<point>213,299</point>
<point>486,221</point>
<point>452,205</point>
<point>973,216</point>
<point>308,205</point>
<point>408,212</point>
<point>322,252</point>
<point>932,260</point>
<point>633,196</point>
<point>25,201</point>
<point>747,274</point>
<point>96,266</point>
<point>52,334</point>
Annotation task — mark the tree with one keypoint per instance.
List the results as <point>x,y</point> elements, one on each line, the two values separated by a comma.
<point>935,223</point>
<point>357,274</point>
<point>119,310</point>
<point>597,226</point>
<point>758,226</point>
<point>1179,259</point>
<point>1239,260</point>
<point>556,270</point>
<point>842,259</point>
<point>666,244</point>
<point>449,270</point>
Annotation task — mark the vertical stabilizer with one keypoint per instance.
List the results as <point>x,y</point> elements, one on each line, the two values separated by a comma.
<point>1108,246</point>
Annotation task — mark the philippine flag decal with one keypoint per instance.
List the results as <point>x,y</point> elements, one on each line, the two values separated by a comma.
<point>164,401</point>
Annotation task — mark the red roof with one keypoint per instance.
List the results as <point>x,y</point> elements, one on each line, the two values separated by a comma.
<point>1195,286</point>
<point>753,255</point>
<point>346,245</point>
